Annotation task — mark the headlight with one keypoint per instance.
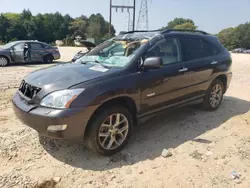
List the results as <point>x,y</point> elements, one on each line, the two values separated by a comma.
<point>61,99</point>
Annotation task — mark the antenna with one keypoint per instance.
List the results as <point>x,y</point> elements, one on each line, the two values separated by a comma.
<point>142,22</point>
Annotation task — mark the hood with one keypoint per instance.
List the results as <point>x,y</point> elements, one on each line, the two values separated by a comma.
<point>4,51</point>
<point>66,75</point>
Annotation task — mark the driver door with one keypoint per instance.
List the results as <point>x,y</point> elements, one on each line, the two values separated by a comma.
<point>17,53</point>
<point>164,87</point>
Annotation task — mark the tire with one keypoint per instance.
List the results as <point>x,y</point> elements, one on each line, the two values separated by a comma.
<point>214,96</point>
<point>48,59</point>
<point>100,134</point>
<point>3,61</point>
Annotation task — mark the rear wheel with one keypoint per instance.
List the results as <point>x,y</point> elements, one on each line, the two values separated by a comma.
<point>110,130</point>
<point>48,59</point>
<point>3,61</point>
<point>214,96</point>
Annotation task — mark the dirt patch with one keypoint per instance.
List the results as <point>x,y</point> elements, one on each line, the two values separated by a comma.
<point>46,184</point>
<point>206,146</point>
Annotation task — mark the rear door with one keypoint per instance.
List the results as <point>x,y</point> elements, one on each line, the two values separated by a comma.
<point>17,53</point>
<point>36,51</point>
<point>199,57</point>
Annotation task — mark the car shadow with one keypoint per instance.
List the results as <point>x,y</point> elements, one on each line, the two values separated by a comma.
<point>166,130</point>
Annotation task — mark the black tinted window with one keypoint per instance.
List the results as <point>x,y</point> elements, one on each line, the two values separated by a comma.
<point>209,48</point>
<point>192,48</point>
<point>36,45</point>
<point>196,48</point>
<point>167,49</point>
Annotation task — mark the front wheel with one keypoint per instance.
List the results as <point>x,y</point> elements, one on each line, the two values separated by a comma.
<point>110,130</point>
<point>214,96</point>
<point>3,61</point>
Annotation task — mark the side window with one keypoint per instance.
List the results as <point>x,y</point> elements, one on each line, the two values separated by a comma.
<point>209,48</point>
<point>196,48</point>
<point>192,48</point>
<point>36,46</point>
<point>167,49</point>
<point>19,47</point>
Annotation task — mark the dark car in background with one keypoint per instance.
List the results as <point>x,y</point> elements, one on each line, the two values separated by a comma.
<point>238,50</point>
<point>27,51</point>
<point>246,51</point>
<point>102,96</point>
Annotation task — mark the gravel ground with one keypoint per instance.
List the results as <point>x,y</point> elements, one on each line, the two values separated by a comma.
<point>205,147</point>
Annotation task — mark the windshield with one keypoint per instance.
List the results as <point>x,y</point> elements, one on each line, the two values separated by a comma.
<point>6,46</point>
<point>113,52</point>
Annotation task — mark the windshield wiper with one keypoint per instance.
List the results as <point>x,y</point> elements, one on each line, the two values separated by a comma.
<point>85,62</point>
<point>96,61</point>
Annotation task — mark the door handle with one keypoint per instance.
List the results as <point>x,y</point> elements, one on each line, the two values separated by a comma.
<point>214,62</point>
<point>183,69</point>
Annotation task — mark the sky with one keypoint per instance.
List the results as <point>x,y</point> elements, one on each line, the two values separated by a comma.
<point>209,15</point>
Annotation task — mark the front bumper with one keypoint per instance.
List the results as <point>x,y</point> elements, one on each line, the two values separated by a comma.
<point>39,118</point>
<point>56,56</point>
<point>229,79</point>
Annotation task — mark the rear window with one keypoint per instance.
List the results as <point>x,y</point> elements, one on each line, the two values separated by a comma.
<point>209,48</point>
<point>36,45</point>
<point>197,48</point>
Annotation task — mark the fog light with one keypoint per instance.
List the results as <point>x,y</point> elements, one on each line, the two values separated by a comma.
<point>56,128</point>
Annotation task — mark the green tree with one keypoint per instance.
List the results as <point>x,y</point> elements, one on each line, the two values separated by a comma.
<point>50,27</point>
<point>40,28</point>
<point>228,38</point>
<point>185,24</point>
<point>98,27</point>
<point>4,23</point>
<point>238,37</point>
<point>78,27</point>
<point>16,28</point>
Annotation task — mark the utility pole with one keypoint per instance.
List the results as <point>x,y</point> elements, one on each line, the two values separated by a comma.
<point>122,7</point>
<point>134,16</point>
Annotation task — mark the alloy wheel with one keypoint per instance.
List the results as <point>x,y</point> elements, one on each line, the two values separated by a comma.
<point>216,95</point>
<point>3,61</point>
<point>113,131</point>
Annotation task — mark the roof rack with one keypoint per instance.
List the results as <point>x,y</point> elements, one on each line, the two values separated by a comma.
<point>139,31</point>
<point>184,30</point>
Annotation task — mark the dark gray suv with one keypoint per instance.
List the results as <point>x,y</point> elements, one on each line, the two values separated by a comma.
<point>27,51</point>
<point>104,94</point>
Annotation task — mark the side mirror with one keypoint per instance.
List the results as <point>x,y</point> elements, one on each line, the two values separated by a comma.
<point>153,63</point>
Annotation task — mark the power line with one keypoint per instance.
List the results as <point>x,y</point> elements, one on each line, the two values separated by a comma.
<point>122,8</point>
<point>128,24</point>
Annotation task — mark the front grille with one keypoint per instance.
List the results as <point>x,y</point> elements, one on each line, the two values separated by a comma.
<point>28,90</point>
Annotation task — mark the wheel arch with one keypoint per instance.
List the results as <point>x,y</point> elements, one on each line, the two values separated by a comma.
<point>223,79</point>
<point>48,54</point>
<point>123,101</point>
<point>8,58</point>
